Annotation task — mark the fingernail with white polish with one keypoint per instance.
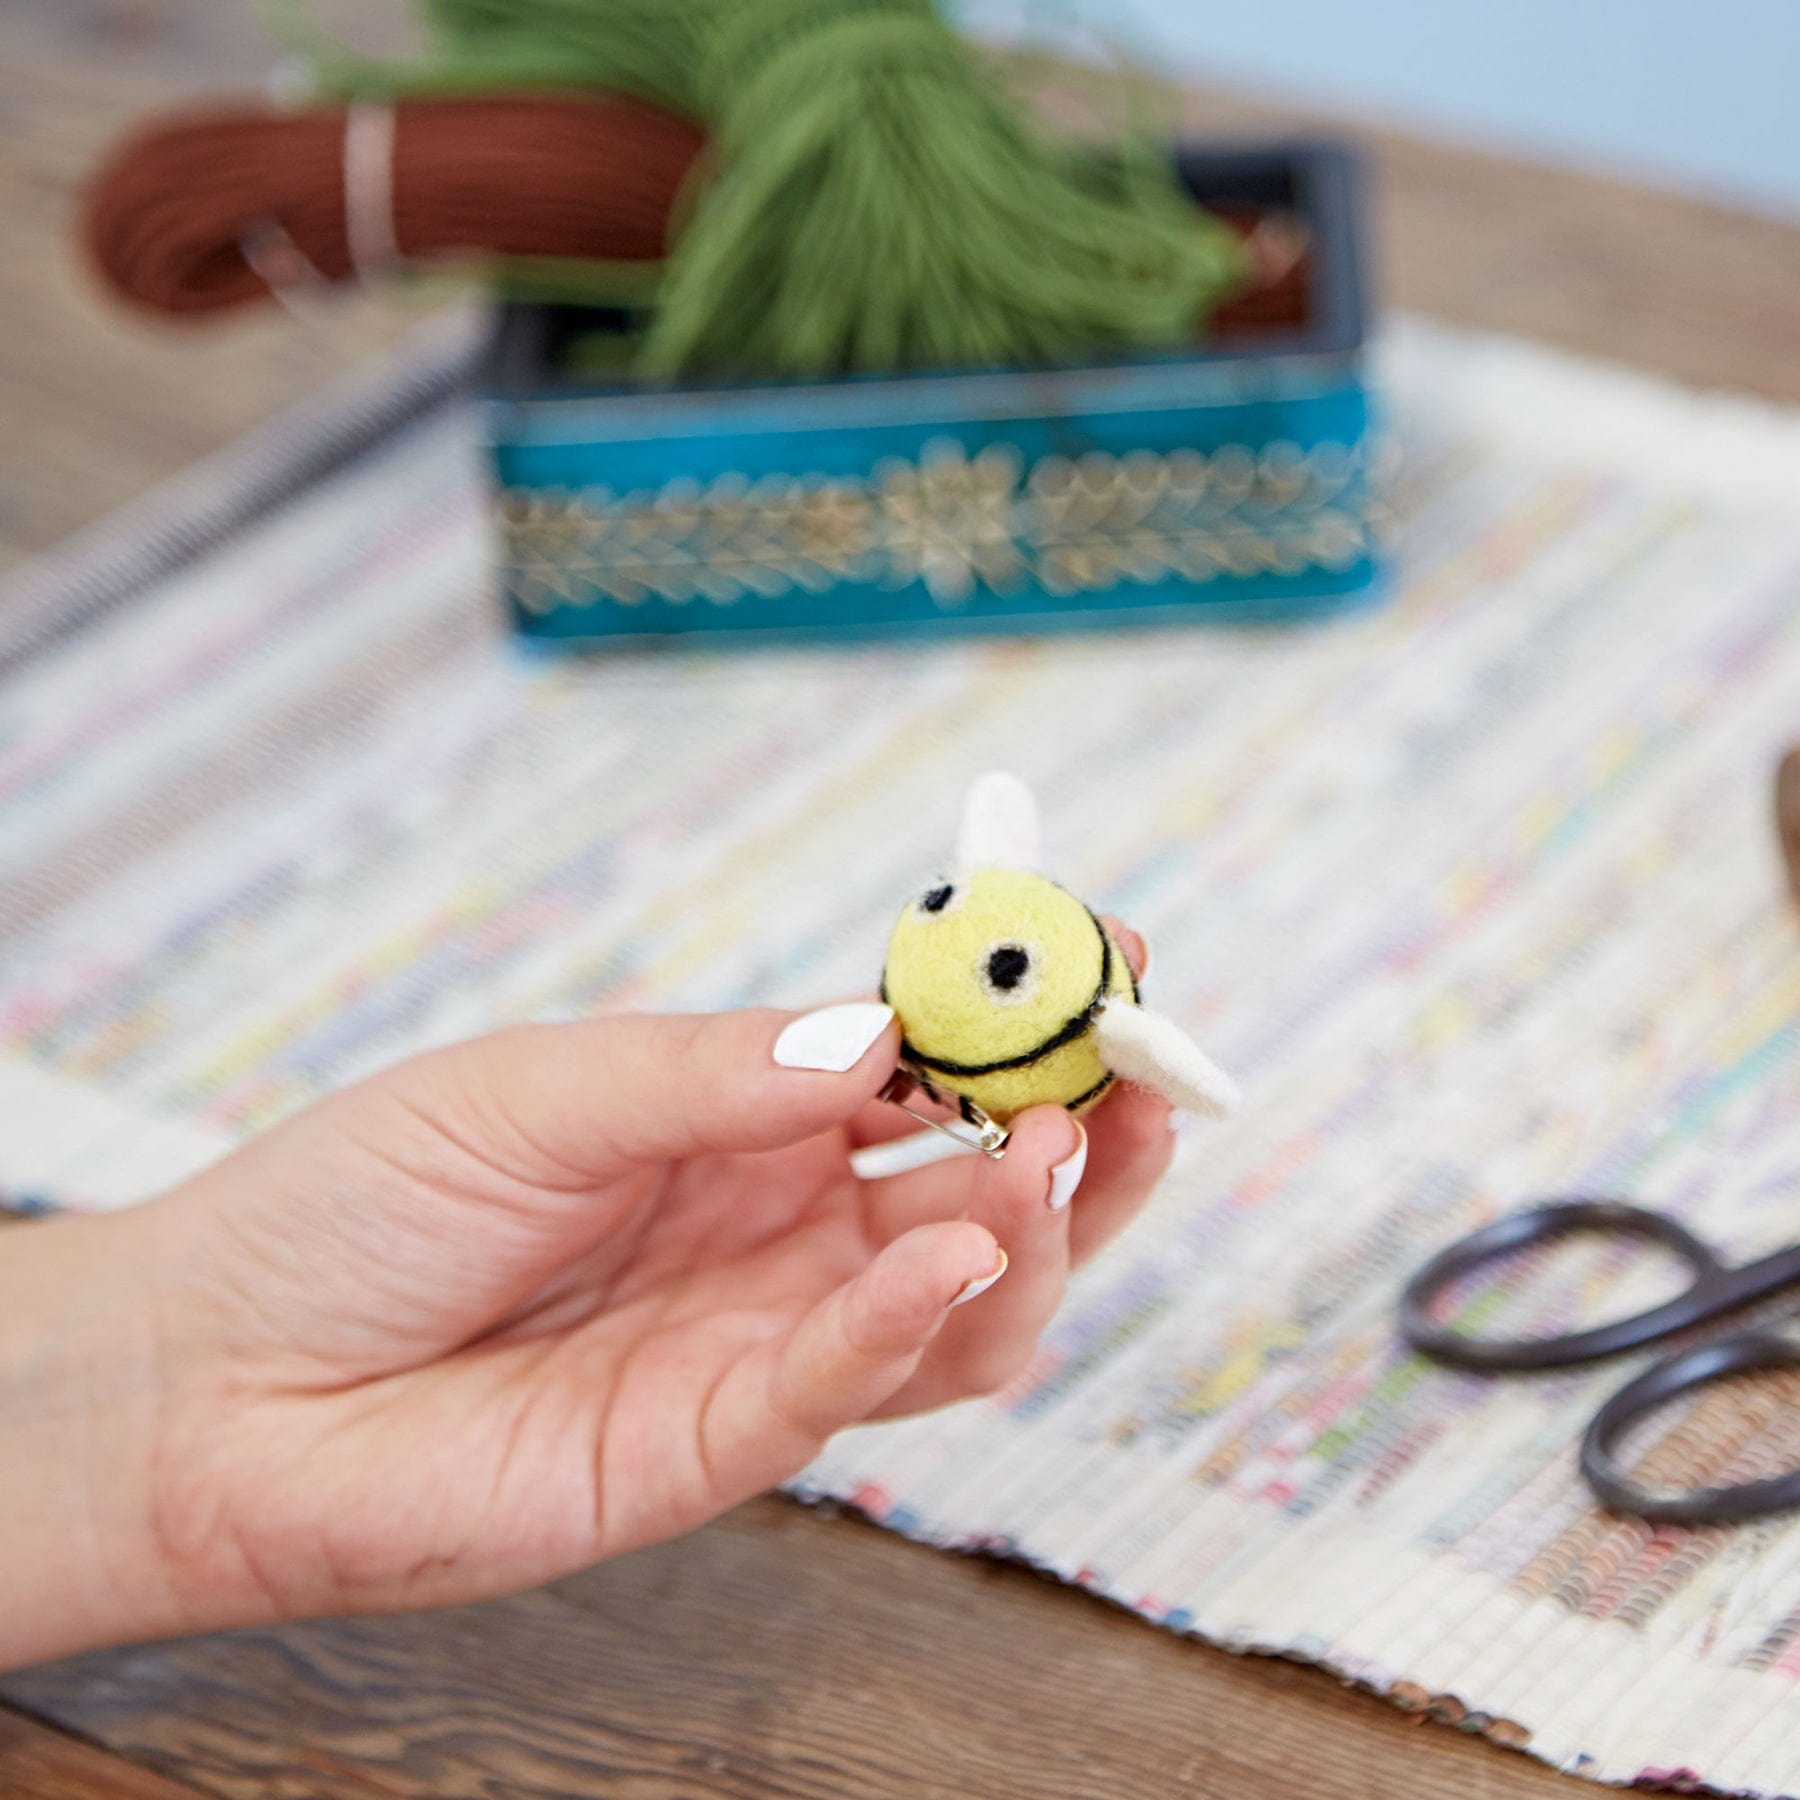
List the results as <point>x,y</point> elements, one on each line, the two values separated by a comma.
<point>1065,1176</point>
<point>981,1283</point>
<point>834,1038</point>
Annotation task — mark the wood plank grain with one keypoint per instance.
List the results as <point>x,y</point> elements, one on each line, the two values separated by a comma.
<point>777,1655</point>
<point>37,1763</point>
<point>1626,273</point>
<point>99,403</point>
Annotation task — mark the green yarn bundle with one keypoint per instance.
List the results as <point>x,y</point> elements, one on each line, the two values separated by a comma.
<point>646,48</point>
<point>873,201</point>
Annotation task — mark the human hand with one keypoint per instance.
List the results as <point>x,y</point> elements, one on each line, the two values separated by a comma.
<point>513,1307</point>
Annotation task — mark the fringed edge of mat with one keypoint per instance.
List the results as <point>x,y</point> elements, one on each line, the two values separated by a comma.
<point>1404,1696</point>
<point>1413,1698</point>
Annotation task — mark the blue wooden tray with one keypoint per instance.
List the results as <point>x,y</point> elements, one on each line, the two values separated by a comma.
<point>1218,483</point>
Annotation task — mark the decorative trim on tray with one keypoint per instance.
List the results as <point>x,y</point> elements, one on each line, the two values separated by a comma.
<point>955,522</point>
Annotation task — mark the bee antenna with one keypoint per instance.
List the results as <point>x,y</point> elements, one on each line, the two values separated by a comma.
<point>999,825</point>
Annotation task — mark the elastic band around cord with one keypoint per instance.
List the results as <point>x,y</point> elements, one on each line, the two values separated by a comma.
<point>370,231</point>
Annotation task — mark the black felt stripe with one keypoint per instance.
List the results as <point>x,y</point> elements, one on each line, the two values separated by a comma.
<point>1094,1092</point>
<point>1066,1033</point>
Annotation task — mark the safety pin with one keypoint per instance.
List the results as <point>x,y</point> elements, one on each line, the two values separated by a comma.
<point>986,1136</point>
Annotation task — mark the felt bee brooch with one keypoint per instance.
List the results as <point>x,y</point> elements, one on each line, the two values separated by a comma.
<point>1010,993</point>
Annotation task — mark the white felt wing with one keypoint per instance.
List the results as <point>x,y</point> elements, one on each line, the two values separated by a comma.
<point>999,825</point>
<point>1155,1052</point>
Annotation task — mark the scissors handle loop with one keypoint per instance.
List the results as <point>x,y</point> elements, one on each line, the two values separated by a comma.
<point>1668,1380</point>
<point>1703,1296</point>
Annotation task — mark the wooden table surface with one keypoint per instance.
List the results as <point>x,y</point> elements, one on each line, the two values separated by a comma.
<point>780,1654</point>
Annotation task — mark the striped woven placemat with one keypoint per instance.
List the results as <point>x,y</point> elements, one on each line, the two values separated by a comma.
<point>1476,894</point>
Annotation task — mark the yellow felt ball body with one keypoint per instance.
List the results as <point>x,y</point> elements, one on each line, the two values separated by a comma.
<point>996,977</point>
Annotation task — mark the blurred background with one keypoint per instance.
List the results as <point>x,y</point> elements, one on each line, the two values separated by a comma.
<point>1671,116</point>
<point>1700,97</point>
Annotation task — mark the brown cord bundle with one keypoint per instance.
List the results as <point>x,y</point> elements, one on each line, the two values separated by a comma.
<point>212,209</point>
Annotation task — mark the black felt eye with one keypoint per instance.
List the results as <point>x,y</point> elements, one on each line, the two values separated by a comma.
<point>1007,966</point>
<point>934,900</point>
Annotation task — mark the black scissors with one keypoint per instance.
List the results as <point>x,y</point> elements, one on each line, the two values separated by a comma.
<point>1715,1288</point>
